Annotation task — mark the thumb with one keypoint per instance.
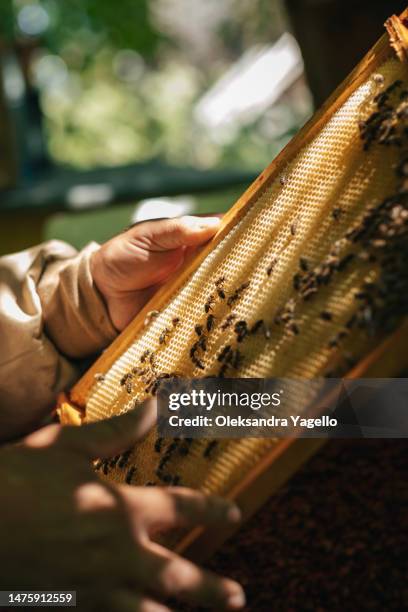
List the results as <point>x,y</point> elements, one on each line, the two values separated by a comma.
<point>112,436</point>
<point>187,231</point>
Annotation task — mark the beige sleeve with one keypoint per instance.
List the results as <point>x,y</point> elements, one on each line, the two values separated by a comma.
<point>50,315</point>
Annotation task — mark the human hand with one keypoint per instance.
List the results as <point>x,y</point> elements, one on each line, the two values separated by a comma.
<point>62,528</point>
<point>129,268</point>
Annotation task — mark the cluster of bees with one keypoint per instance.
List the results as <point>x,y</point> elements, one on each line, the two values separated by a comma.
<point>228,357</point>
<point>147,370</point>
<point>382,235</point>
<point>180,447</point>
<point>386,125</point>
<point>119,461</point>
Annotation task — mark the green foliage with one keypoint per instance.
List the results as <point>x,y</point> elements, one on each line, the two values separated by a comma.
<point>123,24</point>
<point>117,87</point>
<point>6,20</point>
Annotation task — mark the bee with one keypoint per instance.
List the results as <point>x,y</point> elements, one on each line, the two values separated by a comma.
<point>166,478</point>
<point>343,263</point>
<point>256,326</point>
<point>209,304</point>
<point>278,317</point>
<point>99,377</point>
<point>125,379</point>
<point>402,169</point>
<point>351,322</point>
<point>343,334</point>
<point>223,370</point>
<point>202,343</point>
<point>224,353</point>
<point>308,293</point>
<point>185,448</point>
<point>98,464</point>
<point>378,79</point>
<point>164,336</point>
<point>293,228</point>
<point>166,457</point>
<point>163,462</point>
<point>198,330</point>
<point>283,180</point>
<point>337,213</point>
<point>237,293</point>
<point>228,321</point>
<point>130,475</point>
<point>326,315</point>
<point>113,461</point>
<point>297,281</point>
<point>129,387</point>
<point>267,332</point>
<point>158,445</point>
<point>355,233</point>
<point>237,360</point>
<point>210,322</point>
<point>176,480</point>
<point>173,446</point>
<point>152,314</point>
<point>378,244</point>
<point>304,264</point>
<point>145,355</point>
<point>175,321</point>
<point>148,378</point>
<point>271,266</point>
<point>139,371</point>
<point>105,467</point>
<point>333,343</point>
<point>294,328</point>
<point>220,288</point>
<point>195,360</point>
<point>164,375</point>
<point>241,329</point>
<point>210,448</point>
<point>198,363</point>
<point>153,387</point>
<point>361,295</point>
<point>153,360</point>
<point>124,459</point>
<point>290,306</point>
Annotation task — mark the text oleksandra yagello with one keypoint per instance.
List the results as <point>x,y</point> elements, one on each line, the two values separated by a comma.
<point>239,421</point>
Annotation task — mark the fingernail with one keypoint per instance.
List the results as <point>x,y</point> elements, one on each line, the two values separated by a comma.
<point>205,222</point>
<point>234,514</point>
<point>236,601</point>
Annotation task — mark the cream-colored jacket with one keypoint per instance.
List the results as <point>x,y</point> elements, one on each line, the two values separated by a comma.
<point>51,317</point>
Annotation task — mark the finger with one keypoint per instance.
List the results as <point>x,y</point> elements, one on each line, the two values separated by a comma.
<point>126,601</point>
<point>112,436</point>
<point>43,437</point>
<point>169,234</point>
<point>160,508</point>
<point>168,575</point>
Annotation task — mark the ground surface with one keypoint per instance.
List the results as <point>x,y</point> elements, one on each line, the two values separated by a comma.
<point>335,538</point>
